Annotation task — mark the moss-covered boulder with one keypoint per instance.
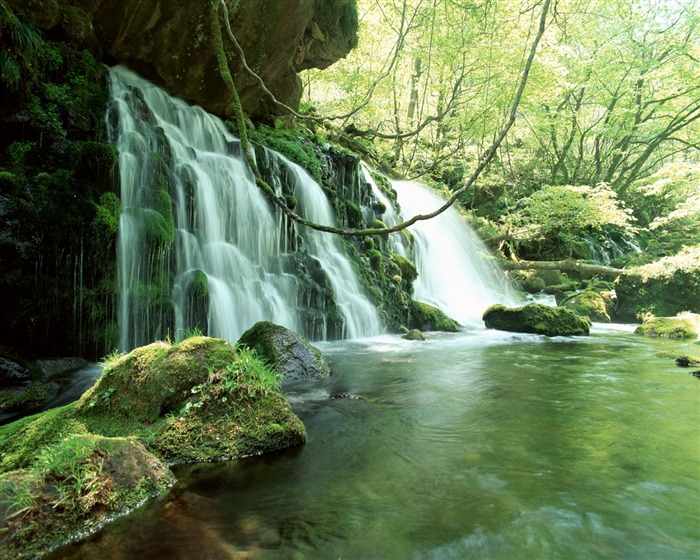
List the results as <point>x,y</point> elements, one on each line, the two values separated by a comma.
<point>663,288</point>
<point>597,306</point>
<point>199,400</point>
<point>68,470</point>
<point>288,353</point>
<point>686,325</point>
<point>425,317</point>
<point>74,487</point>
<point>537,319</point>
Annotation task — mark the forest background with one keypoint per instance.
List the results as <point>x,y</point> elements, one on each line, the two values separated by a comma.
<point>604,149</point>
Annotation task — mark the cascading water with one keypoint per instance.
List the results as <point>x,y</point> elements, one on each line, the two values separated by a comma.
<point>453,274</point>
<point>199,245</point>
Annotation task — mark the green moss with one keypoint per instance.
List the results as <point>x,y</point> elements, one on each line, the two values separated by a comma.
<point>353,215</point>
<point>20,441</point>
<point>31,397</point>
<point>74,486</point>
<point>538,319</point>
<point>670,327</point>
<point>591,304</point>
<point>376,260</point>
<point>296,144</point>
<point>408,271</point>
<point>425,317</point>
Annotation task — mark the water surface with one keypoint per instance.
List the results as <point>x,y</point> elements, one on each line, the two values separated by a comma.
<point>473,445</point>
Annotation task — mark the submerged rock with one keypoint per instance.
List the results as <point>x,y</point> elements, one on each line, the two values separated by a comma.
<point>294,357</point>
<point>413,334</point>
<point>537,319</point>
<point>425,317</point>
<point>682,326</point>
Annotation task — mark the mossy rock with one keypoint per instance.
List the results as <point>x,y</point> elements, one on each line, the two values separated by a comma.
<point>682,326</point>
<point>28,398</point>
<point>536,318</point>
<point>74,487</point>
<point>409,273</point>
<point>425,317</point>
<point>290,354</point>
<point>597,306</point>
<point>413,334</point>
<point>199,400</point>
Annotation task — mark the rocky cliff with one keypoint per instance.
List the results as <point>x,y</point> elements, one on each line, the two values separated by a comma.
<point>168,42</point>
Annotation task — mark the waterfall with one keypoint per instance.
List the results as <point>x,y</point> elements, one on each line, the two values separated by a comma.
<point>453,273</point>
<point>200,246</point>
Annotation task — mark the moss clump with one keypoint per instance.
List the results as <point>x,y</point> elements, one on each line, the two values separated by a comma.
<point>408,271</point>
<point>537,319</point>
<point>74,487</point>
<point>589,303</point>
<point>294,144</point>
<point>683,326</point>
<point>425,317</point>
<point>169,394</point>
<point>376,260</point>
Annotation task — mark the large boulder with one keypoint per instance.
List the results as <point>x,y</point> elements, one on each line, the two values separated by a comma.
<point>425,317</point>
<point>597,306</point>
<point>294,357</point>
<point>686,325</point>
<point>663,288</point>
<point>537,319</point>
<point>170,42</point>
<point>66,471</point>
<point>200,400</point>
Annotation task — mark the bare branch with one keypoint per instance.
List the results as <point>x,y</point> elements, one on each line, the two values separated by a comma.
<point>269,191</point>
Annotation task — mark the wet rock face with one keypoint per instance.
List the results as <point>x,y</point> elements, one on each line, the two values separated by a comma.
<point>289,353</point>
<point>169,42</point>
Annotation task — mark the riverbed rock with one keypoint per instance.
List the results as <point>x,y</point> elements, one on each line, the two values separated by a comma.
<point>413,334</point>
<point>537,319</point>
<point>686,325</point>
<point>425,317</point>
<point>171,44</point>
<point>60,366</point>
<point>597,306</point>
<point>294,357</point>
<point>13,371</point>
<point>201,400</point>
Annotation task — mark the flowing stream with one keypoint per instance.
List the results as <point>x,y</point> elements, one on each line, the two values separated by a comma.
<point>474,445</point>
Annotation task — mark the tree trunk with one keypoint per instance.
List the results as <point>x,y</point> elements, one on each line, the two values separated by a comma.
<point>567,264</point>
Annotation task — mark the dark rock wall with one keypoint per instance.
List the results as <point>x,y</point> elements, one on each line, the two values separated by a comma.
<point>169,42</point>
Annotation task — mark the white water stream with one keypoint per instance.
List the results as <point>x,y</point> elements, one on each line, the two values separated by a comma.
<point>225,230</point>
<point>454,273</point>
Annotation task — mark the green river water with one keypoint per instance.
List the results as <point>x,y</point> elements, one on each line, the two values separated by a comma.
<point>477,445</point>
